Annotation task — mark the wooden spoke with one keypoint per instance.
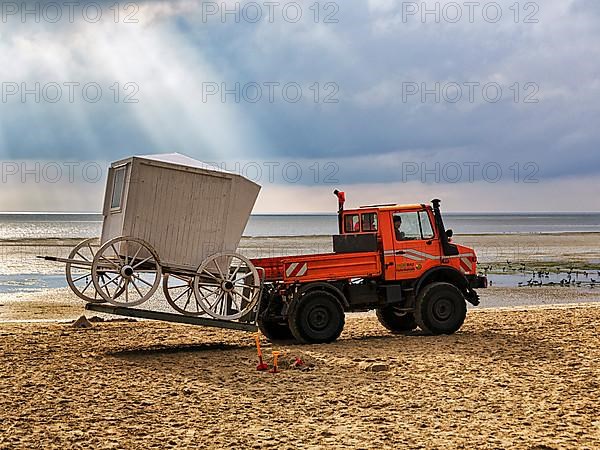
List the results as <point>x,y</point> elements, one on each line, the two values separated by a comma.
<point>82,257</point>
<point>136,288</point>
<point>181,295</point>
<point>118,287</point>
<point>85,275</point>
<point>232,277</point>
<point>87,286</point>
<point>142,262</point>
<point>243,296</point>
<point>189,296</point>
<point>206,272</point>
<point>142,280</point>
<point>112,263</point>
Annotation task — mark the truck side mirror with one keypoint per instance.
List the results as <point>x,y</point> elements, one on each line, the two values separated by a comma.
<point>449,233</point>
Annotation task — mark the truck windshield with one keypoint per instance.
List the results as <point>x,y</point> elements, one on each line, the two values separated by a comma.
<point>412,226</point>
<point>426,229</point>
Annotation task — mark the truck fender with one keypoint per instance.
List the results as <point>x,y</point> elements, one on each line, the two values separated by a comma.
<point>450,275</point>
<point>324,286</point>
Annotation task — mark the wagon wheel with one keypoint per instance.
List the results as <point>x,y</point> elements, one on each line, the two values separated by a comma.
<point>179,292</point>
<point>227,293</point>
<point>79,272</point>
<point>130,268</point>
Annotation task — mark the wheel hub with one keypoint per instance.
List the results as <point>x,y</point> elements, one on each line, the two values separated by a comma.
<point>127,271</point>
<point>318,318</point>
<point>442,310</point>
<point>227,286</point>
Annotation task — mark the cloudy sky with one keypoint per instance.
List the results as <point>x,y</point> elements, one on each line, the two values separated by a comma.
<point>491,107</point>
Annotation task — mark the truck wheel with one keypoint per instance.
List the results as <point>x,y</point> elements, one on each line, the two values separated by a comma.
<point>394,320</point>
<point>271,322</point>
<point>316,317</point>
<point>275,331</point>
<point>440,308</point>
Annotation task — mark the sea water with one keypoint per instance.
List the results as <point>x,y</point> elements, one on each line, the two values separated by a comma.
<point>23,226</point>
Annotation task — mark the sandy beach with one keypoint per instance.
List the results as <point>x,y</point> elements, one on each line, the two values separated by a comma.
<point>521,373</point>
<point>509,379</point>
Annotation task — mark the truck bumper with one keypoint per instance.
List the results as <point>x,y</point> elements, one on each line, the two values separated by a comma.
<point>478,282</point>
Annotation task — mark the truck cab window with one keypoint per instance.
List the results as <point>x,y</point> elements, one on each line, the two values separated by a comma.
<point>426,229</point>
<point>406,226</point>
<point>351,223</point>
<point>369,221</point>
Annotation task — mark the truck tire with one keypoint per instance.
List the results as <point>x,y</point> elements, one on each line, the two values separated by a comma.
<point>316,317</point>
<point>440,309</point>
<point>396,321</point>
<point>275,331</point>
<point>270,320</point>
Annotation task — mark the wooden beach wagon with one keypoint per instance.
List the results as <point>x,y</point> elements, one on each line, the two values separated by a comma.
<point>173,221</point>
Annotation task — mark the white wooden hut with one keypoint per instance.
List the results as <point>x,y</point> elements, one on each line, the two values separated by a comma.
<point>186,209</point>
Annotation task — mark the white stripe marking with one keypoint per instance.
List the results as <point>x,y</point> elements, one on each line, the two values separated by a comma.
<point>462,255</point>
<point>303,270</point>
<point>467,263</point>
<point>291,269</point>
<point>413,257</point>
<point>423,254</point>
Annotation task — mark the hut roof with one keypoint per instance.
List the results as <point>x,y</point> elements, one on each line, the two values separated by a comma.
<point>183,160</point>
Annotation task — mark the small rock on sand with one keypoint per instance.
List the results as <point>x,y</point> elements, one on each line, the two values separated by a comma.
<point>379,367</point>
<point>373,366</point>
<point>82,322</point>
<point>96,319</point>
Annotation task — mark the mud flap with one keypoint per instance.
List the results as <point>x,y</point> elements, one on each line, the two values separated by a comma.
<point>472,297</point>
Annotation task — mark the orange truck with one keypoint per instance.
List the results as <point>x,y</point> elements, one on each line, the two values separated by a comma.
<point>396,259</point>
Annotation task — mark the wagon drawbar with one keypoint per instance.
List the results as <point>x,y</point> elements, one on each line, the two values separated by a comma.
<point>170,317</point>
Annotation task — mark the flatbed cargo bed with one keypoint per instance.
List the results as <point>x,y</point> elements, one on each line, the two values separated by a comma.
<point>323,266</point>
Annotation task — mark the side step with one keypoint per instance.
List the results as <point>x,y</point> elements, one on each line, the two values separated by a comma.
<point>169,317</point>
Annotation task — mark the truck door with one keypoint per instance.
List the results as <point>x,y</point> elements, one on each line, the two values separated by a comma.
<point>416,247</point>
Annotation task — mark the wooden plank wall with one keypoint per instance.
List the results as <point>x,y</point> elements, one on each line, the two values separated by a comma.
<point>181,213</point>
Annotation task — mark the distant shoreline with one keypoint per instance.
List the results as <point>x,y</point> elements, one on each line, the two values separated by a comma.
<point>69,240</point>
<point>329,213</point>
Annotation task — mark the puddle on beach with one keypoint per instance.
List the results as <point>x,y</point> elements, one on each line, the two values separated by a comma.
<point>35,282</point>
<point>580,278</point>
<point>30,282</point>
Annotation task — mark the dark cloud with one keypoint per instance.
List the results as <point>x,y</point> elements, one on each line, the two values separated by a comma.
<point>370,55</point>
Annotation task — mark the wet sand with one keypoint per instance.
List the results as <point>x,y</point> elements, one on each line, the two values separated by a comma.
<point>509,379</point>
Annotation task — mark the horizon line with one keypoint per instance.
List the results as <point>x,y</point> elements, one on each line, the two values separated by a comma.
<point>311,213</point>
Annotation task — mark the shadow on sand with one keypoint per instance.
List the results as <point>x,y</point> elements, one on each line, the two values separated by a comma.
<point>176,348</point>
<point>464,342</point>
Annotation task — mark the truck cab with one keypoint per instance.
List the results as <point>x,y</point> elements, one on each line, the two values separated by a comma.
<point>411,239</point>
